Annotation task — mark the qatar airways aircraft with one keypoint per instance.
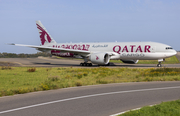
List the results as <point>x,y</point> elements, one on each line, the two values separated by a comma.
<point>102,53</point>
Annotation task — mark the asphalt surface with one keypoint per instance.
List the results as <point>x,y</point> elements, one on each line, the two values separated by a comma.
<point>99,100</point>
<point>53,62</point>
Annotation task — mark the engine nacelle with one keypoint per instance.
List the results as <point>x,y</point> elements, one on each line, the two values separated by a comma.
<point>130,61</point>
<point>99,58</point>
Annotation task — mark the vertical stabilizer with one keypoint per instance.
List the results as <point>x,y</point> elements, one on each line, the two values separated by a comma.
<point>45,37</point>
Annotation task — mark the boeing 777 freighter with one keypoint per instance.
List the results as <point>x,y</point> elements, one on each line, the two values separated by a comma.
<point>102,53</point>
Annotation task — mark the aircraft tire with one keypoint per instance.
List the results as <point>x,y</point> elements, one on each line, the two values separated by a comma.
<point>85,64</point>
<point>158,65</point>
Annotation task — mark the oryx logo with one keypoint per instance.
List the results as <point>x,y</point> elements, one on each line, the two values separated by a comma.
<point>97,58</point>
<point>44,35</point>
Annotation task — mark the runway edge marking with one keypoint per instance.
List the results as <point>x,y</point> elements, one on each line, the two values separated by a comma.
<point>80,97</point>
<point>129,111</point>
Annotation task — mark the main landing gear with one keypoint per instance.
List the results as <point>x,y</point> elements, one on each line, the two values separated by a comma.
<point>85,64</point>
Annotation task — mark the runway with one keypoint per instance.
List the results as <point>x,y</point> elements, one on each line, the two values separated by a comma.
<point>54,62</point>
<point>98,100</point>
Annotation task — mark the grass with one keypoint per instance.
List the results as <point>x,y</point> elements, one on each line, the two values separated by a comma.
<point>171,60</point>
<point>18,80</point>
<point>171,108</point>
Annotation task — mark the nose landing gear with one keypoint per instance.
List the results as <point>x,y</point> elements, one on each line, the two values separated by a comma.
<point>160,61</point>
<point>159,64</point>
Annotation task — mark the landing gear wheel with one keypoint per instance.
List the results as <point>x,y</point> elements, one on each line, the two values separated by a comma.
<point>85,64</point>
<point>159,65</point>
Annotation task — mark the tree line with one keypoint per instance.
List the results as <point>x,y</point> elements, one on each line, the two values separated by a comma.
<point>22,55</point>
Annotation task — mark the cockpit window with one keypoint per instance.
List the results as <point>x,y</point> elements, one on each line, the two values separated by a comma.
<point>167,48</point>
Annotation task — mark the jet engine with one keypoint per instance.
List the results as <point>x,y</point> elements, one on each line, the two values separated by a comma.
<point>99,58</point>
<point>130,61</point>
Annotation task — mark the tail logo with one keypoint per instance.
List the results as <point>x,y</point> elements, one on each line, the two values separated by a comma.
<point>44,35</point>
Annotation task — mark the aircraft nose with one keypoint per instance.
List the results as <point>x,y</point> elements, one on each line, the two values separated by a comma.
<point>173,52</point>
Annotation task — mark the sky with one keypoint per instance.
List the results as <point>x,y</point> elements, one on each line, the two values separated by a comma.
<point>89,21</point>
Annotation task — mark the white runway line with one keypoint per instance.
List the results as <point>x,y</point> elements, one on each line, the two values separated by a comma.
<point>128,111</point>
<point>124,112</point>
<point>94,95</point>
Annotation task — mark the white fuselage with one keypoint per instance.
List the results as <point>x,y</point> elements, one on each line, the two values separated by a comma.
<point>123,50</point>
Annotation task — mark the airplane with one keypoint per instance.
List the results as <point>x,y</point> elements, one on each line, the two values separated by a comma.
<point>102,53</point>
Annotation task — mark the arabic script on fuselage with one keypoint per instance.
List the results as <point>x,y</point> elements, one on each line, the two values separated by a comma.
<point>97,46</point>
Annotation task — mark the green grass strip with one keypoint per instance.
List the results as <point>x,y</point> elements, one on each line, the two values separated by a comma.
<point>171,108</point>
<point>18,80</point>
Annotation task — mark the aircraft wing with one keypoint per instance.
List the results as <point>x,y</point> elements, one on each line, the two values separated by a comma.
<point>51,48</point>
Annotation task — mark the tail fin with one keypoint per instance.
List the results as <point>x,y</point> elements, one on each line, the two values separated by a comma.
<point>44,35</point>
